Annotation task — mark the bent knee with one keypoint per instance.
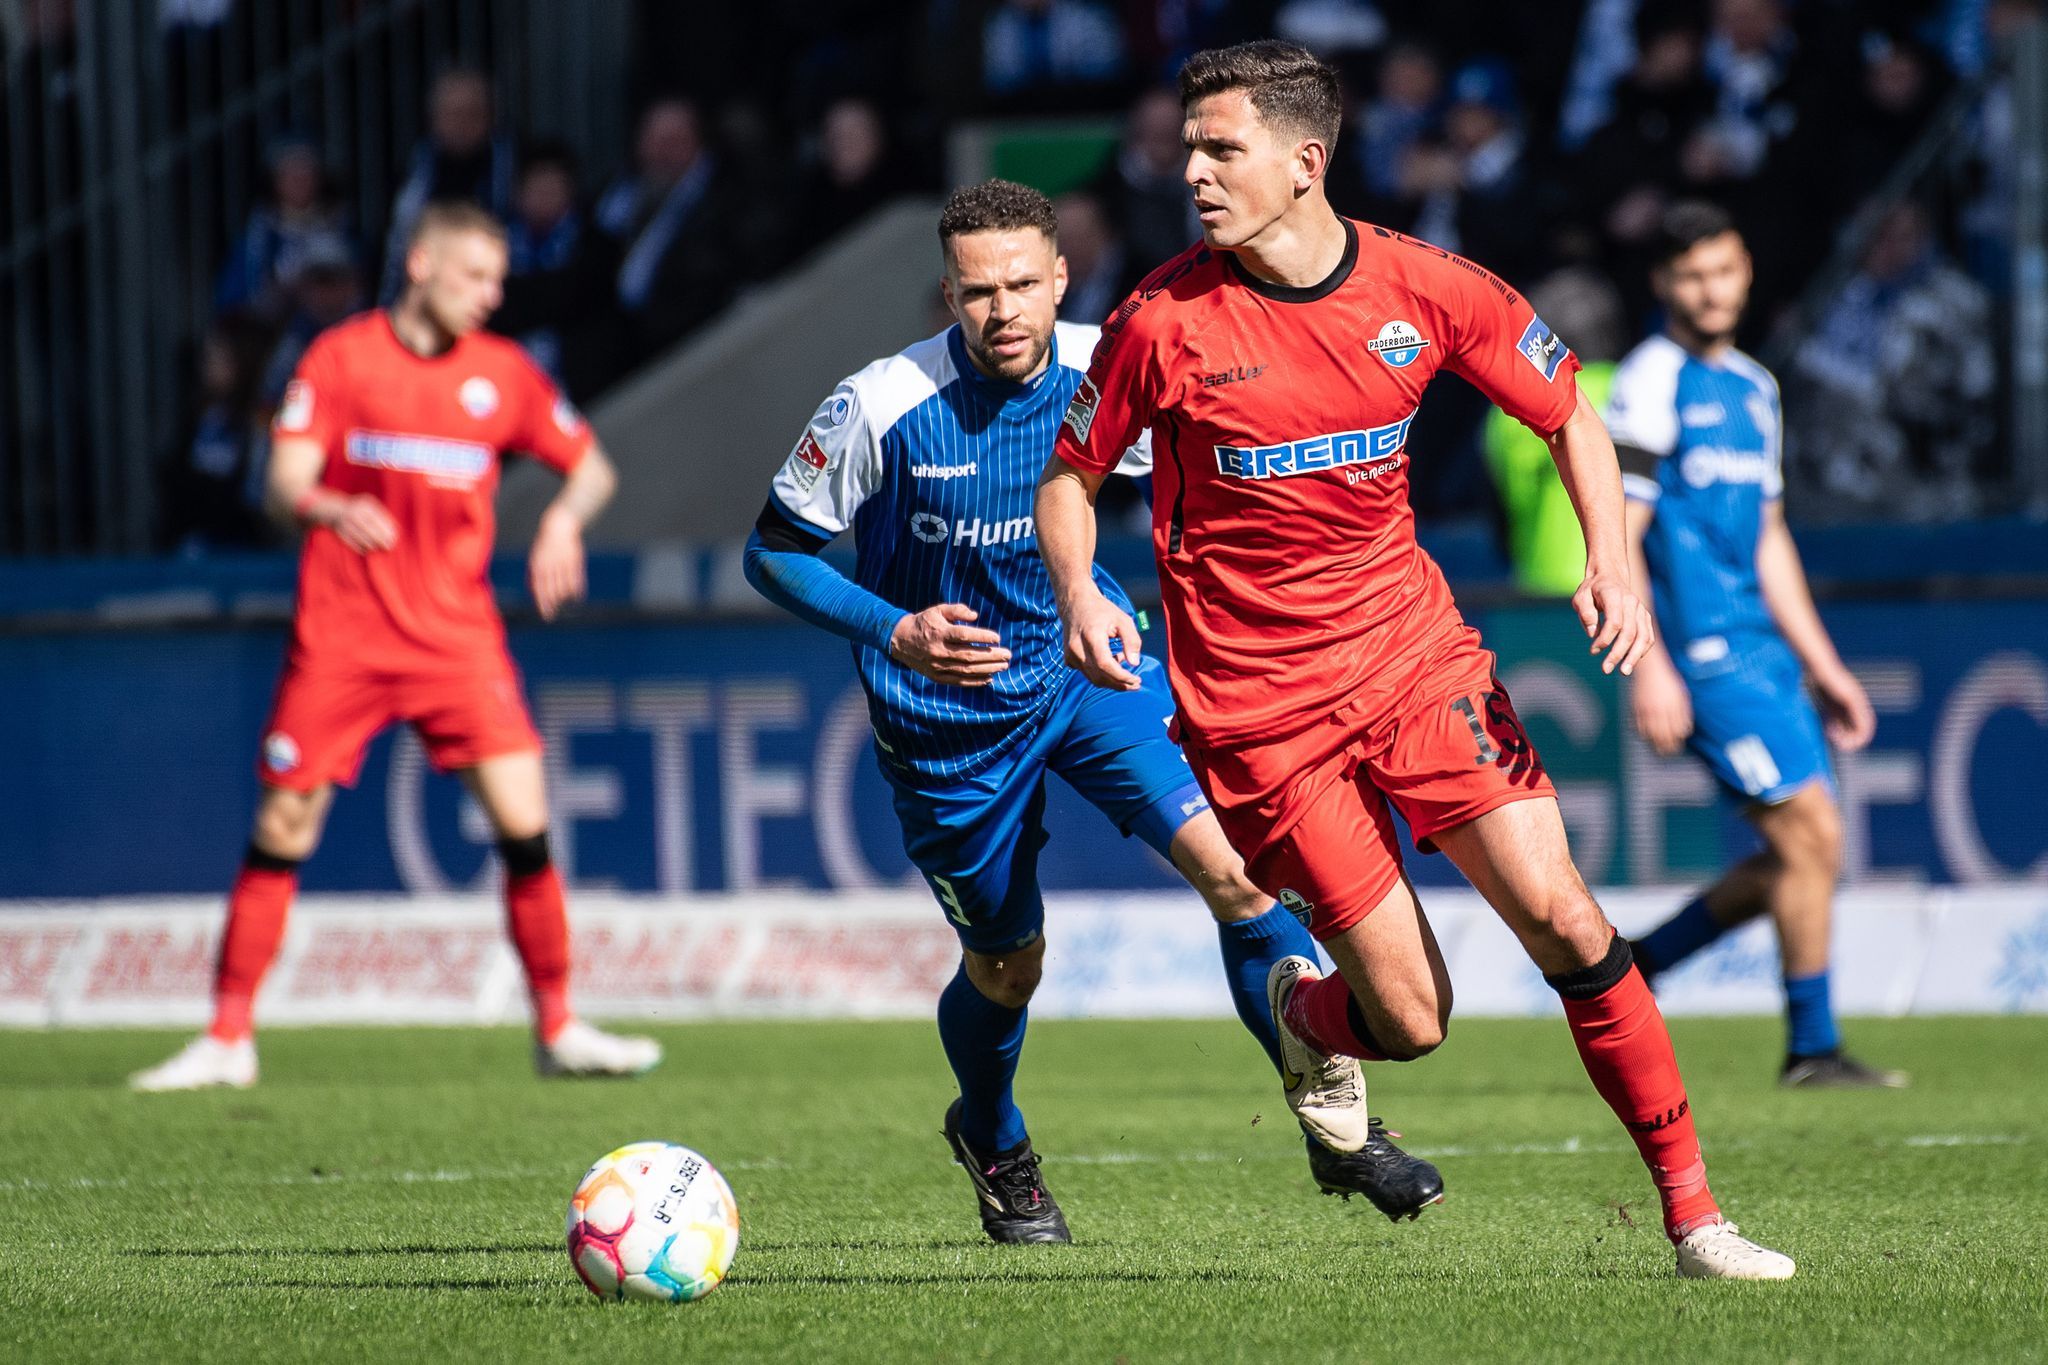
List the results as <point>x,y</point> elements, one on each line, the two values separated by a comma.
<point>1233,900</point>
<point>1009,980</point>
<point>1811,839</point>
<point>1416,1033</point>
<point>1569,926</point>
<point>287,826</point>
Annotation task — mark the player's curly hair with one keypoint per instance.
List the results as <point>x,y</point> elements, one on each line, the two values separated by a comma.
<point>996,206</point>
<point>1295,92</point>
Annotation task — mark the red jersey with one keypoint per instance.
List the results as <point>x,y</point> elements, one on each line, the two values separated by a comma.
<point>423,435</point>
<point>1292,583</point>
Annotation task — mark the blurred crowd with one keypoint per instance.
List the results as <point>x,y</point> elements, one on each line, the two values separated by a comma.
<point>1541,140</point>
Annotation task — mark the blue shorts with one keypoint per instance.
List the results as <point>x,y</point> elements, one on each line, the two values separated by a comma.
<point>1754,725</point>
<point>977,840</point>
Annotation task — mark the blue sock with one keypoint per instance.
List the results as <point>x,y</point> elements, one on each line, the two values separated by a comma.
<point>1809,1016</point>
<point>1250,948</point>
<point>983,1041</point>
<point>1679,937</point>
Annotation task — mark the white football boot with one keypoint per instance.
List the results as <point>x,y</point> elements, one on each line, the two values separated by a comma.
<point>1327,1094</point>
<point>202,1063</point>
<point>1719,1252</point>
<point>581,1050</point>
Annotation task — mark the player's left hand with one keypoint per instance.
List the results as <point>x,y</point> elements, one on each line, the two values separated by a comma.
<point>1618,621</point>
<point>1845,709</point>
<point>554,568</point>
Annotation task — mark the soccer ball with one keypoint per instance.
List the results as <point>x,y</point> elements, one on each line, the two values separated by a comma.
<point>653,1221</point>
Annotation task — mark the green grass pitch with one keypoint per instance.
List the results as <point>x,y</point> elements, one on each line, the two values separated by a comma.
<point>394,1195</point>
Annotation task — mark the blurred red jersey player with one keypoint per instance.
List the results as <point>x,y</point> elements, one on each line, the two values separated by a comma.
<point>386,451</point>
<point>1320,668</point>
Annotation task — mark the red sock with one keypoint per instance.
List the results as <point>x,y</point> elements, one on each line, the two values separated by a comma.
<point>1321,1013</point>
<point>538,918</point>
<point>256,913</point>
<point>1627,1051</point>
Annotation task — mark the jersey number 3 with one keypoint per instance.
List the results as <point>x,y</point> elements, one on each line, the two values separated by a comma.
<point>950,898</point>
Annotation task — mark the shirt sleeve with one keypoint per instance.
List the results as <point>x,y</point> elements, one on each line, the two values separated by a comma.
<point>1112,410</point>
<point>1137,461</point>
<point>1506,351</point>
<point>1642,417</point>
<point>315,407</point>
<point>1774,438</point>
<point>835,466</point>
<point>551,429</point>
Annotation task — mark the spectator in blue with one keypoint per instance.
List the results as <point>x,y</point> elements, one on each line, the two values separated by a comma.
<point>328,288</point>
<point>1752,60</point>
<point>1035,48</point>
<point>1889,399</point>
<point>1467,190</point>
<point>1404,110</point>
<point>857,170</point>
<point>463,157</point>
<point>213,495</point>
<point>558,285</point>
<point>1099,274</point>
<point>298,212</point>
<point>1332,29</point>
<point>1141,186</point>
<point>669,222</point>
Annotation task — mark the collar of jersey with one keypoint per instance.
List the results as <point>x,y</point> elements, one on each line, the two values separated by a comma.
<point>1304,293</point>
<point>1013,401</point>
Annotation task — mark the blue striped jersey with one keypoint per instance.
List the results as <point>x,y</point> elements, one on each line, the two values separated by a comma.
<point>935,468</point>
<point>1701,441</point>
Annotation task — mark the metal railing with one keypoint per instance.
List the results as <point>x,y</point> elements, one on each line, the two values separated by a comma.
<point>134,133</point>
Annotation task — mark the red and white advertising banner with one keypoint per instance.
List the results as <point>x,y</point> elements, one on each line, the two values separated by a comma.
<point>445,960</point>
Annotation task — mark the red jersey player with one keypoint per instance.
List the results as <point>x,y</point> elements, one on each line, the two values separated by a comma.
<point>386,451</point>
<point>1320,668</point>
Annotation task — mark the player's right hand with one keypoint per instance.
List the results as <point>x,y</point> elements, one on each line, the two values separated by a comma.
<point>939,643</point>
<point>1102,641</point>
<point>363,524</point>
<point>1662,706</point>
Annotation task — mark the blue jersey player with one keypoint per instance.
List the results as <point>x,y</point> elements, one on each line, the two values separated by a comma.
<point>931,457</point>
<point>1697,427</point>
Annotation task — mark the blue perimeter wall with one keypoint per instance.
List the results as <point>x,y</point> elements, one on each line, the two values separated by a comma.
<point>692,757</point>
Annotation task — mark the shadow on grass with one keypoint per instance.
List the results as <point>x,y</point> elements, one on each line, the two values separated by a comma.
<point>871,1244</point>
<point>414,1249</point>
<point>1073,1273</point>
<point>497,1285</point>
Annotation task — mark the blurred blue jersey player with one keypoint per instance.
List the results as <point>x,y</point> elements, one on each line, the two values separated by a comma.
<point>1697,427</point>
<point>931,457</point>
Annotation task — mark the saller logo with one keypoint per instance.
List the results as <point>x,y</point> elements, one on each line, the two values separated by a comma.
<point>1660,1121</point>
<point>1315,453</point>
<point>1081,412</point>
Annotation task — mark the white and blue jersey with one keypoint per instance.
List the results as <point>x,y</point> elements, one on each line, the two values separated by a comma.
<point>935,469</point>
<point>1701,442</point>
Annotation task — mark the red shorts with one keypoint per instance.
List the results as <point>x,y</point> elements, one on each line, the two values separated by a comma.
<point>1309,812</point>
<point>321,723</point>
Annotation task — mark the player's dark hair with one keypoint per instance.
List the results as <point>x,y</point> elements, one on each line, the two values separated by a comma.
<point>549,154</point>
<point>1293,90</point>
<point>1686,224</point>
<point>997,206</point>
<point>454,215</point>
